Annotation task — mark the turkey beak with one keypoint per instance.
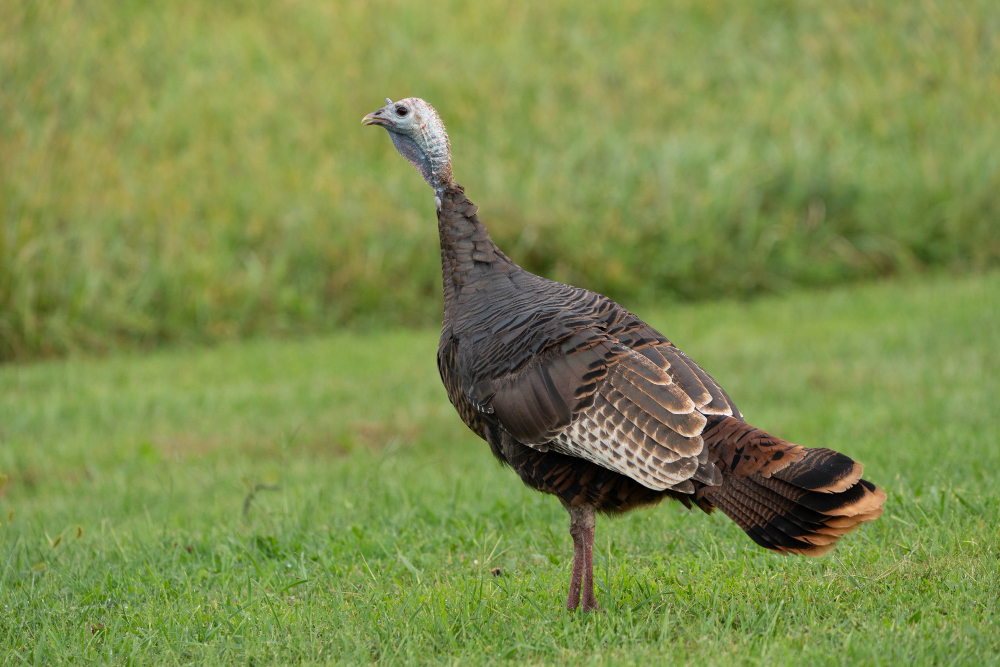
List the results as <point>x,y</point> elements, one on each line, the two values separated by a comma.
<point>376,118</point>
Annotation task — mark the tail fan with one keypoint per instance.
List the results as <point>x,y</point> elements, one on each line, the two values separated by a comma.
<point>787,498</point>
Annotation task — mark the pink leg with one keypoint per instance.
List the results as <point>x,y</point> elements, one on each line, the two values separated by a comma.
<point>581,527</point>
<point>574,584</point>
<point>589,601</point>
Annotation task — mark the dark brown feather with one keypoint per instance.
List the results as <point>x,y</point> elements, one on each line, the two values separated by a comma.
<point>788,498</point>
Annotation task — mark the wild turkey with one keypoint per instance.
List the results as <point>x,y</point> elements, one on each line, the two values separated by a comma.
<point>589,403</point>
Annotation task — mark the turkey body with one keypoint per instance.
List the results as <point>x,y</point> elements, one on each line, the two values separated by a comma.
<point>585,401</point>
<point>500,323</point>
<point>534,366</point>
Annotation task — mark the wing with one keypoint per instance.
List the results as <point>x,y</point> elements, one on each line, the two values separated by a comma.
<point>613,391</point>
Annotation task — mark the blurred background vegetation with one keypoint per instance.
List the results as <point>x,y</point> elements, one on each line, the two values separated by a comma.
<point>192,171</point>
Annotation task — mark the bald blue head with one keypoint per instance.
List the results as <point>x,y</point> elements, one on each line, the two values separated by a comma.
<point>419,135</point>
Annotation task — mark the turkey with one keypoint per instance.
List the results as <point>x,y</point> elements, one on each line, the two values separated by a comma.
<point>585,401</point>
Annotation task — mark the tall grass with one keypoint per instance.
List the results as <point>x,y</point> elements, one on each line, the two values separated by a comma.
<point>197,171</point>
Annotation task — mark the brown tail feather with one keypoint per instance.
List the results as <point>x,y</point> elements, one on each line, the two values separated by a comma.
<point>788,498</point>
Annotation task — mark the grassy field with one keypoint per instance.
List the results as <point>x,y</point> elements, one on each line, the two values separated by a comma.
<point>191,171</point>
<point>135,526</point>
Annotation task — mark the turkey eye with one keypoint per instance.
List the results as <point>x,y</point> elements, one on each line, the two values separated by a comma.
<point>402,111</point>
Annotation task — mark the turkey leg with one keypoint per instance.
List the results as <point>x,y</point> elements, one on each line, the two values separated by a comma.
<point>581,527</point>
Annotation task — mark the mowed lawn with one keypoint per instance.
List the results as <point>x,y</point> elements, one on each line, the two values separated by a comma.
<point>318,500</point>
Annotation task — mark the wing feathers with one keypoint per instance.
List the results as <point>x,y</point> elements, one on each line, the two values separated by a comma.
<point>720,404</point>
<point>627,400</point>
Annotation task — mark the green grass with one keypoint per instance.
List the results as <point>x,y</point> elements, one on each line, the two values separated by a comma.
<point>128,479</point>
<point>191,171</point>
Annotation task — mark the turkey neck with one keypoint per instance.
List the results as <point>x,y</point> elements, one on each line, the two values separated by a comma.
<point>468,255</point>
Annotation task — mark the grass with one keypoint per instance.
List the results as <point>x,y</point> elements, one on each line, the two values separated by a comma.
<point>136,530</point>
<point>191,171</point>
